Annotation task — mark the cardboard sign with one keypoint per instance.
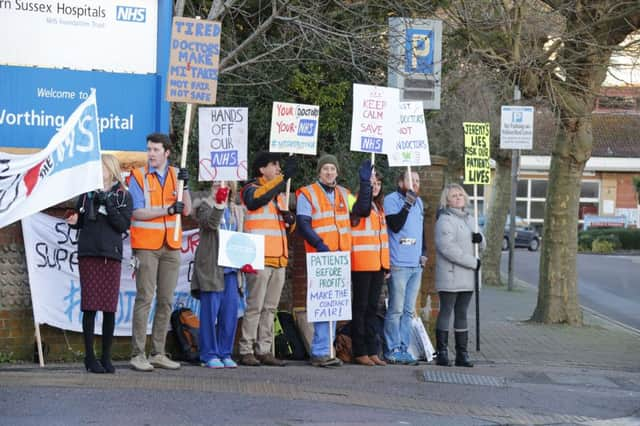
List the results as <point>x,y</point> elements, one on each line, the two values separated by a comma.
<point>412,148</point>
<point>294,128</point>
<point>376,118</point>
<point>222,143</point>
<point>329,286</point>
<point>193,61</point>
<point>477,143</point>
<point>238,248</point>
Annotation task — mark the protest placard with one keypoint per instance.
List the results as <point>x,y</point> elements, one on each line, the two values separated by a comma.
<point>477,144</point>
<point>375,119</point>
<point>222,143</point>
<point>294,128</point>
<point>329,286</point>
<point>412,147</point>
<point>238,249</point>
<point>193,61</point>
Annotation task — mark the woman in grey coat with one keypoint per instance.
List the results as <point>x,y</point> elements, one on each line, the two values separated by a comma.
<point>456,265</point>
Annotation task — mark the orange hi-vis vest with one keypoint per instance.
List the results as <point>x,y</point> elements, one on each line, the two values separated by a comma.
<point>267,221</point>
<point>331,222</point>
<point>152,234</point>
<point>370,242</point>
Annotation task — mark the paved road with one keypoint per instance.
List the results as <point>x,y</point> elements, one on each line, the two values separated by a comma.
<point>610,285</point>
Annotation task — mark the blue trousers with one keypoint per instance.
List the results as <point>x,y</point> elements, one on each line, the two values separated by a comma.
<point>403,292</point>
<point>218,319</point>
<point>320,345</point>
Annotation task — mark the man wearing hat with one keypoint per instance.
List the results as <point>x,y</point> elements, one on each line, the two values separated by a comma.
<point>267,215</point>
<point>324,223</point>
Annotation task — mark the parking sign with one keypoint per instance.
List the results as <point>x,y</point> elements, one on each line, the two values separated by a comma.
<point>516,127</point>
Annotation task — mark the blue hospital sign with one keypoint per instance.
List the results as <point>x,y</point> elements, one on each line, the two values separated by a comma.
<point>419,51</point>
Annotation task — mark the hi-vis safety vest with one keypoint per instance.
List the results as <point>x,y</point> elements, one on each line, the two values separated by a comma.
<point>370,242</point>
<point>152,234</point>
<point>331,222</point>
<point>267,221</point>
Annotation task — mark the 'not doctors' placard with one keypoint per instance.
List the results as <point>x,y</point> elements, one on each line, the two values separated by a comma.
<point>329,286</point>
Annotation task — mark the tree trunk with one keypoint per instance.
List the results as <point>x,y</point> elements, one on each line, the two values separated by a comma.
<point>494,225</point>
<point>558,285</point>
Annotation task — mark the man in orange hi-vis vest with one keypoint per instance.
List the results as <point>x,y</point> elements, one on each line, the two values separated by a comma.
<point>266,215</point>
<point>156,252</point>
<point>324,223</point>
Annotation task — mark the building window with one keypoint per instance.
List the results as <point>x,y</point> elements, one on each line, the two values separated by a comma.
<point>532,197</point>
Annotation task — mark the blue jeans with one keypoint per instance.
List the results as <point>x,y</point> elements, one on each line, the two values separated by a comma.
<point>320,345</point>
<point>403,292</point>
<point>218,320</point>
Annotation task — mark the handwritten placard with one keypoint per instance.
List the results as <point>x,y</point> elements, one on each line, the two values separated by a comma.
<point>193,61</point>
<point>329,286</point>
<point>238,248</point>
<point>294,128</point>
<point>477,142</point>
<point>412,147</point>
<point>376,118</point>
<point>222,143</point>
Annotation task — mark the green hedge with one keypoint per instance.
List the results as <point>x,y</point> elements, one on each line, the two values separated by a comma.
<point>620,238</point>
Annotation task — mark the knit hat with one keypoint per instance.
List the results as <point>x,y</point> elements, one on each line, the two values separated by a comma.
<point>327,159</point>
<point>263,158</point>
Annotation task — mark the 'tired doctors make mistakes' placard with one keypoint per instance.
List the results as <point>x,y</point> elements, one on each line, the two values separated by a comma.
<point>193,61</point>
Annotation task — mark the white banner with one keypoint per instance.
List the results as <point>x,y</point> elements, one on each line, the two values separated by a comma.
<point>239,248</point>
<point>412,148</point>
<point>375,119</point>
<point>294,128</point>
<point>68,166</point>
<point>109,35</point>
<point>222,143</point>
<point>52,261</point>
<point>329,286</point>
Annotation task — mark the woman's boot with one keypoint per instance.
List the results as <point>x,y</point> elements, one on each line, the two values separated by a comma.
<point>462,356</point>
<point>108,325</point>
<point>90,361</point>
<point>442,353</point>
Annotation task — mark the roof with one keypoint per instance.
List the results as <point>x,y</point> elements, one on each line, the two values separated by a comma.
<point>614,135</point>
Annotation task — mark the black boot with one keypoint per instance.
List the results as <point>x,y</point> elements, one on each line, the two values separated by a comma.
<point>462,356</point>
<point>108,325</point>
<point>442,353</point>
<point>90,362</point>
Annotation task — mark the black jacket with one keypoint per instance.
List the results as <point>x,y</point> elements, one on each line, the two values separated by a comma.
<point>102,224</point>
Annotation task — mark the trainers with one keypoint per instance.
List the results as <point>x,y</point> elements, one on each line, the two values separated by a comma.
<point>268,359</point>
<point>250,360</point>
<point>214,363</point>
<point>394,357</point>
<point>325,361</point>
<point>408,359</point>
<point>229,363</point>
<point>140,363</point>
<point>162,361</point>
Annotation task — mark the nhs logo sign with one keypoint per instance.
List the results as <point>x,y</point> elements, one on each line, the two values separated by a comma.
<point>131,14</point>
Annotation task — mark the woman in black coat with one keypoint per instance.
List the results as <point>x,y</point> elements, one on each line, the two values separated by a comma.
<point>102,217</point>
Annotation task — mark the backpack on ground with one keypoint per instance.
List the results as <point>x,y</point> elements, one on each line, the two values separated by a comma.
<point>288,343</point>
<point>186,326</point>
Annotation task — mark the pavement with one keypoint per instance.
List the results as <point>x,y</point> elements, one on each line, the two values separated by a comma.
<point>525,373</point>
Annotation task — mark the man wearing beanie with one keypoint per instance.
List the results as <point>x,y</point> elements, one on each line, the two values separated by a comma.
<point>266,215</point>
<point>324,223</point>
